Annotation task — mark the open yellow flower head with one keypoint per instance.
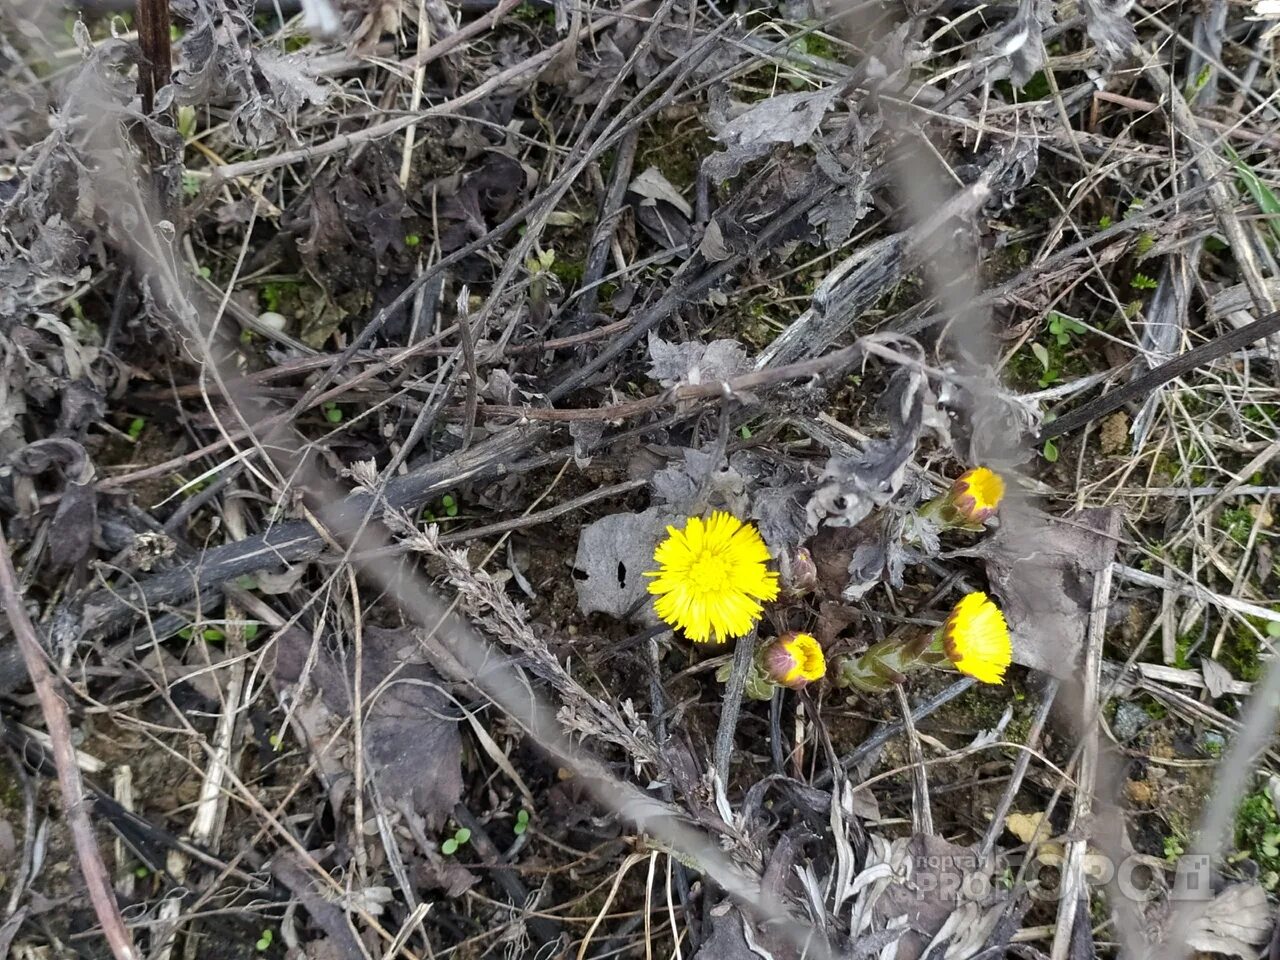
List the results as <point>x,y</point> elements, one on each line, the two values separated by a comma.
<point>976,495</point>
<point>712,578</point>
<point>976,639</point>
<point>794,660</point>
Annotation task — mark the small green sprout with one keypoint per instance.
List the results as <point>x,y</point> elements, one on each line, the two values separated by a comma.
<point>1049,375</point>
<point>1050,451</point>
<point>246,582</point>
<point>206,272</point>
<point>1141,281</point>
<point>1063,327</point>
<point>1104,222</point>
<point>264,941</point>
<point>250,631</point>
<point>451,845</point>
<point>141,872</point>
<point>332,412</point>
<point>412,240</point>
<point>450,505</point>
<point>745,432</point>
<point>208,634</point>
<point>522,822</point>
<point>187,121</point>
<point>275,741</point>
<point>136,426</point>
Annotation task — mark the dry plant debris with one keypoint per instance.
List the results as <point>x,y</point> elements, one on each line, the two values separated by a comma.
<point>639,478</point>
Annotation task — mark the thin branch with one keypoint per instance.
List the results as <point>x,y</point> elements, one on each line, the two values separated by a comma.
<point>97,882</point>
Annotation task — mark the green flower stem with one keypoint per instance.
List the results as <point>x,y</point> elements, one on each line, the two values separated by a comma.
<point>887,663</point>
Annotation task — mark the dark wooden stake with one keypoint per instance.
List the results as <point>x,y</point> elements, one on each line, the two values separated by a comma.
<point>157,59</point>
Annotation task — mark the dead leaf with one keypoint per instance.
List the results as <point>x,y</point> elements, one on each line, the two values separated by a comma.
<point>412,745</point>
<point>942,879</point>
<point>1030,828</point>
<point>784,118</point>
<point>613,554</point>
<point>1217,678</point>
<point>694,362</point>
<point>1042,570</point>
<point>653,185</point>
<point>1236,922</point>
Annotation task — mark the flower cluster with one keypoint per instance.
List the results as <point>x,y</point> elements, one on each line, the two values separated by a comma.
<point>713,579</point>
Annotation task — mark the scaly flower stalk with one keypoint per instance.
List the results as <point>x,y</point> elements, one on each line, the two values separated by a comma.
<point>974,640</point>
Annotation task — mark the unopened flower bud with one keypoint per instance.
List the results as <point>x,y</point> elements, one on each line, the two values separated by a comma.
<point>799,574</point>
<point>793,660</point>
<point>976,495</point>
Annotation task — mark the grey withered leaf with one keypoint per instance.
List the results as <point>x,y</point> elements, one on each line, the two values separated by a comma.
<point>791,118</point>
<point>614,553</point>
<point>412,746</point>
<point>694,362</point>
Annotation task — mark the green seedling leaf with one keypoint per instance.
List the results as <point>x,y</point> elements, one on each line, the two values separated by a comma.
<point>1064,327</point>
<point>412,240</point>
<point>246,582</point>
<point>1141,281</point>
<point>141,872</point>
<point>136,426</point>
<point>1051,451</point>
<point>213,635</point>
<point>332,412</point>
<point>522,822</point>
<point>1104,222</point>
<point>185,633</point>
<point>462,836</point>
<point>1042,354</point>
<point>449,847</point>
<point>1262,194</point>
<point>251,631</point>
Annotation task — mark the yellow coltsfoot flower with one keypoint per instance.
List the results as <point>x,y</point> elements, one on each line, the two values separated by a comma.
<point>712,578</point>
<point>976,495</point>
<point>793,661</point>
<point>976,640</point>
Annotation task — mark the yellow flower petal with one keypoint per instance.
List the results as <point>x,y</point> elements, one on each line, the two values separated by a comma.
<point>712,577</point>
<point>976,639</point>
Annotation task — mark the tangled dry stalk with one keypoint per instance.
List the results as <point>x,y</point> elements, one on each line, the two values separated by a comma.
<point>409,311</point>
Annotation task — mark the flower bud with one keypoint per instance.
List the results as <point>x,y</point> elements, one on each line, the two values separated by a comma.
<point>798,572</point>
<point>976,495</point>
<point>793,660</point>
